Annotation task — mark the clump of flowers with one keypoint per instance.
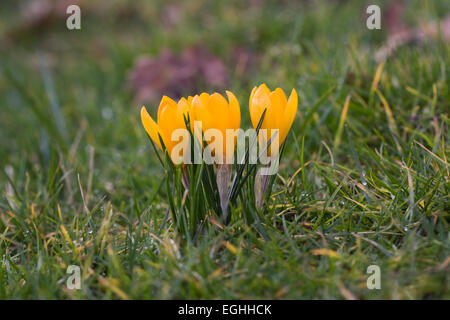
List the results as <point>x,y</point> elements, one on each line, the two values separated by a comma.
<point>209,160</point>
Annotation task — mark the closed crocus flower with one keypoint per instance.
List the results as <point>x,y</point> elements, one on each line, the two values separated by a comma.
<point>215,112</point>
<point>171,116</point>
<point>280,112</point>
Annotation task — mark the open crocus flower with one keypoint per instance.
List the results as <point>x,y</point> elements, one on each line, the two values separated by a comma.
<point>171,116</point>
<point>280,112</point>
<point>215,112</point>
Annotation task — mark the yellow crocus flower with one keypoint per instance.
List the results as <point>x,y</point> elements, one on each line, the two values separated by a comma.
<point>170,117</point>
<point>280,112</point>
<point>215,112</point>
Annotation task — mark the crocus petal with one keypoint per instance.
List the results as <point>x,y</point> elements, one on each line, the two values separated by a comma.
<point>183,111</point>
<point>205,98</point>
<point>289,115</point>
<point>235,111</point>
<point>219,110</point>
<point>201,112</point>
<point>262,87</point>
<point>278,102</point>
<point>165,102</point>
<point>260,101</point>
<point>167,124</point>
<point>265,88</point>
<point>150,126</point>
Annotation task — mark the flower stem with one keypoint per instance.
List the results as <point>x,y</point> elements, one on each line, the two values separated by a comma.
<point>185,180</point>
<point>260,188</point>
<point>223,179</point>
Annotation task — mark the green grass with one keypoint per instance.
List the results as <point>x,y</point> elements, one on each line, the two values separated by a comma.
<point>81,185</point>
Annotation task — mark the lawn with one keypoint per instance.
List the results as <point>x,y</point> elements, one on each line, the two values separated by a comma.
<point>364,178</point>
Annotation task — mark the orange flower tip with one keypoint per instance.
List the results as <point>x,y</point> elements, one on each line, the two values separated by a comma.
<point>294,94</point>
<point>143,111</point>
<point>196,99</point>
<point>183,99</point>
<point>230,96</point>
<point>264,86</point>
<point>166,100</point>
